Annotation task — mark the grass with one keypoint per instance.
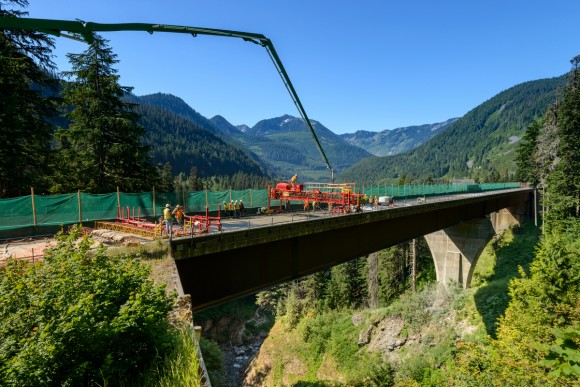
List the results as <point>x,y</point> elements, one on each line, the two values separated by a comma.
<point>181,367</point>
<point>497,267</point>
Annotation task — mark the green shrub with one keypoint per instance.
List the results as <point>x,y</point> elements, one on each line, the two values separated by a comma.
<point>80,318</point>
<point>214,360</point>
<point>415,308</point>
<point>380,374</point>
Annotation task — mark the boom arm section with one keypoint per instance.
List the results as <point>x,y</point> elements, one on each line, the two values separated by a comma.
<point>83,31</point>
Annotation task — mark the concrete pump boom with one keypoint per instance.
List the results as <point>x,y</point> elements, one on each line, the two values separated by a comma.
<point>83,31</point>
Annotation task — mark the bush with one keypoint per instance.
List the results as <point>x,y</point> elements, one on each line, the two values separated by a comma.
<point>80,318</point>
<point>214,360</point>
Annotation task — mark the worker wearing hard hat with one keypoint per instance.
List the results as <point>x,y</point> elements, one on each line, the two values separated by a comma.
<point>236,209</point>
<point>178,213</point>
<point>242,208</point>
<point>293,180</point>
<point>168,219</point>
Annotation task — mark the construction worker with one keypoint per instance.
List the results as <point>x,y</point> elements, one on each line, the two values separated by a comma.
<point>314,205</point>
<point>168,219</point>
<point>178,214</point>
<point>236,209</point>
<point>242,208</point>
<point>306,205</point>
<point>294,179</point>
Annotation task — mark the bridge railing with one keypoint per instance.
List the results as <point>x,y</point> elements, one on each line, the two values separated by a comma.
<point>23,215</point>
<point>297,216</point>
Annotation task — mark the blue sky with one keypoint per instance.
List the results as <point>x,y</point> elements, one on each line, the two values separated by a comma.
<point>356,65</point>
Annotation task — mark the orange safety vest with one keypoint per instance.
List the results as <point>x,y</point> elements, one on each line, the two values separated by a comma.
<point>179,213</point>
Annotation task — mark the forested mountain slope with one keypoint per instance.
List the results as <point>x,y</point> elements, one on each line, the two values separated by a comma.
<point>283,145</point>
<point>183,143</point>
<point>481,143</point>
<point>177,106</point>
<point>395,141</point>
<point>291,147</point>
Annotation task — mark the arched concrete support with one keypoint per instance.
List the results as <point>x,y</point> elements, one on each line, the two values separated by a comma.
<point>456,249</point>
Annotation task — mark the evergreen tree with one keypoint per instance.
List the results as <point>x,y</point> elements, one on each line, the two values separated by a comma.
<point>102,148</point>
<point>194,183</point>
<point>25,137</point>
<point>390,273</point>
<point>569,128</point>
<point>165,183</point>
<point>526,157</point>
<point>546,153</point>
<point>347,287</point>
<point>563,184</point>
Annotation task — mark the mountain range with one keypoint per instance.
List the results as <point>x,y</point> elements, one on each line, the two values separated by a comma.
<point>480,145</point>
<point>394,141</point>
<point>477,145</point>
<point>277,147</point>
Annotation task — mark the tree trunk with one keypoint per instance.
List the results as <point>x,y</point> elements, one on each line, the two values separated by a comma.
<point>373,284</point>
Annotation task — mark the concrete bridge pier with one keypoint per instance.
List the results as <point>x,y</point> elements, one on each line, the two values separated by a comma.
<point>456,249</point>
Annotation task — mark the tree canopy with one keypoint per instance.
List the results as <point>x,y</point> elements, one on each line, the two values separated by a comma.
<point>25,138</point>
<point>102,147</point>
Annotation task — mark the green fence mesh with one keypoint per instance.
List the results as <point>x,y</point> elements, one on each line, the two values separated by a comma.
<point>42,210</point>
<point>16,212</point>
<point>402,191</point>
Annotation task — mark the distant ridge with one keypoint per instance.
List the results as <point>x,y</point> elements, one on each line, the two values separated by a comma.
<point>399,140</point>
<point>480,144</point>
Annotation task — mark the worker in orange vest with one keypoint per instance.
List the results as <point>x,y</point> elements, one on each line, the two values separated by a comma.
<point>178,213</point>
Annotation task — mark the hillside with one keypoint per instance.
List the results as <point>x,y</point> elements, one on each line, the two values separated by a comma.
<point>283,145</point>
<point>184,143</point>
<point>395,141</point>
<point>287,143</point>
<point>480,144</point>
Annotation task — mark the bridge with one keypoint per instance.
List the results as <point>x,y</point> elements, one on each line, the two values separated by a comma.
<point>215,268</point>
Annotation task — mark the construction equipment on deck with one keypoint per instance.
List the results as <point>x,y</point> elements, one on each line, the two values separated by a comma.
<point>341,198</point>
<point>201,224</point>
<point>128,223</point>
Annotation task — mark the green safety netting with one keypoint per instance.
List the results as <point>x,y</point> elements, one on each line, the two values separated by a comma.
<point>136,204</point>
<point>98,207</point>
<point>16,212</point>
<point>57,209</point>
<point>53,210</point>
<point>402,191</point>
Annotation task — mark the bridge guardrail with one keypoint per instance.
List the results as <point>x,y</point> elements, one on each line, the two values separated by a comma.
<point>34,211</point>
